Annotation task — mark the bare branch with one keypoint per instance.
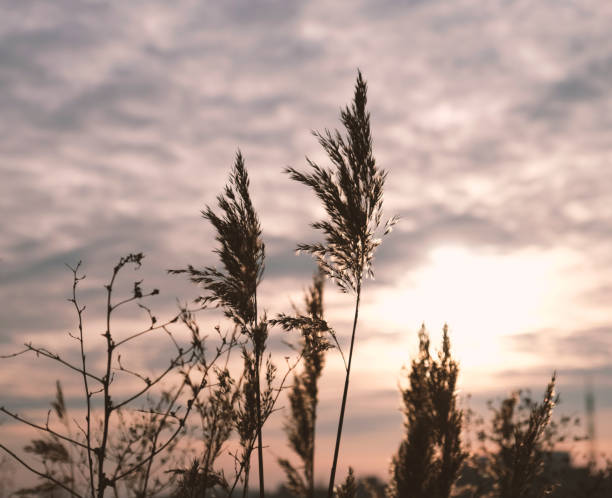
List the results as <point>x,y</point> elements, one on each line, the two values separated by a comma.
<point>173,364</point>
<point>147,330</point>
<point>54,356</point>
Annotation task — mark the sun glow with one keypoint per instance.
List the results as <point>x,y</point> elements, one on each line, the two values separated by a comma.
<point>481,296</point>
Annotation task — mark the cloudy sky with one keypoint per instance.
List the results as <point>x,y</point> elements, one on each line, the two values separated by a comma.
<point>120,121</point>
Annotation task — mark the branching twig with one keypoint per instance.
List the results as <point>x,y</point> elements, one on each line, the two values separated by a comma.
<point>40,474</point>
<point>44,428</point>
<point>87,431</point>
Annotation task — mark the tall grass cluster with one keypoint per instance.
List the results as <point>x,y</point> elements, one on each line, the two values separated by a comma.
<point>175,432</point>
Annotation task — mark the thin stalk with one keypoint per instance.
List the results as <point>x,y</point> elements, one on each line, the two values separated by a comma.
<point>259,427</point>
<point>208,458</point>
<point>309,470</point>
<point>108,406</point>
<point>332,477</point>
<point>158,431</point>
<point>258,399</point>
<point>79,311</point>
<point>208,455</point>
<point>41,474</point>
<point>247,470</point>
<point>245,465</point>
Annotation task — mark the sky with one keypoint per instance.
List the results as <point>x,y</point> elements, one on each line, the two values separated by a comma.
<point>121,120</point>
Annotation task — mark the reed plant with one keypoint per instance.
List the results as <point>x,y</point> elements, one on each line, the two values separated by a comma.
<point>430,456</point>
<point>520,443</point>
<point>234,289</point>
<point>351,191</point>
<point>303,394</point>
<point>348,489</point>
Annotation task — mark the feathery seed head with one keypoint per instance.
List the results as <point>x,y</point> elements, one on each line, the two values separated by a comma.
<point>352,194</point>
<point>241,251</point>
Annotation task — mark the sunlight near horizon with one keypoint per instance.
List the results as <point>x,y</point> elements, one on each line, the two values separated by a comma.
<point>482,297</point>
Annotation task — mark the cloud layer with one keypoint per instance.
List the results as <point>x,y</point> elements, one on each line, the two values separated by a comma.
<point>120,121</point>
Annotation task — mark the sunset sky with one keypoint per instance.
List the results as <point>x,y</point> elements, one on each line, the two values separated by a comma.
<point>120,121</point>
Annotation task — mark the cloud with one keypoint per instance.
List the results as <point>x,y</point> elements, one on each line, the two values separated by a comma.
<point>592,346</point>
<point>120,121</point>
<point>168,94</point>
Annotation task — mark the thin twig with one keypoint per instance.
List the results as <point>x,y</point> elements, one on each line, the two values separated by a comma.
<point>88,394</point>
<point>332,477</point>
<point>45,428</point>
<point>40,474</point>
<point>54,356</point>
<point>173,364</point>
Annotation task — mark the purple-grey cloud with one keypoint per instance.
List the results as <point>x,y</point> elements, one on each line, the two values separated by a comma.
<point>120,121</point>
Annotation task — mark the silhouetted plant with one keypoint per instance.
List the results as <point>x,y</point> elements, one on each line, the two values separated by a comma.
<point>104,463</point>
<point>516,461</point>
<point>303,395</point>
<point>348,489</point>
<point>214,399</point>
<point>216,413</point>
<point>430,456</point>
<point>136,435</point>
<point>245,421</point>
<point>352,195</point>
<point>56,457</point>
<point>598,483</point>
<point>234,289</point>
<point>192,482</point>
